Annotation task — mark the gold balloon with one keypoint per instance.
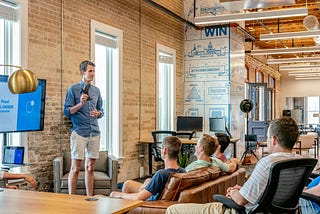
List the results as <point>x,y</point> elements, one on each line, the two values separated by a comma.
<point>22,81</point>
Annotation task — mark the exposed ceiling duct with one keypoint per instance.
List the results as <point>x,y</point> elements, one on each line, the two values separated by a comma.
<point>311,23</point>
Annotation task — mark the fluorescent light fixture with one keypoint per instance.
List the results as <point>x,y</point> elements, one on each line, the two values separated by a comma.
<point>271,14</point>
<point>304,74</point>
<point>297,67</point>
<point>293,60</point>
<point>290,35</point>
<point>285,50</point>
<point>307,78</point>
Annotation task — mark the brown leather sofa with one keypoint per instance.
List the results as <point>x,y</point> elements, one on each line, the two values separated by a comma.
<point>197,186</point>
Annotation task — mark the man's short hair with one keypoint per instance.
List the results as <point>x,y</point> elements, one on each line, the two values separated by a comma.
<point>173,145</point>
<point>84,64</point>
<point>286,130</point>
<point>224,140</point>
<point>209,143</point>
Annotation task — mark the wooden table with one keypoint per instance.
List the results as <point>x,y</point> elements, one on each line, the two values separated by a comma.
<point>184,141</point>
<point>22,201</point>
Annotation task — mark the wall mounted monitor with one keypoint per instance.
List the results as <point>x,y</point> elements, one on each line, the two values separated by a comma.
<point>189,123</point>
<point>21,112</point>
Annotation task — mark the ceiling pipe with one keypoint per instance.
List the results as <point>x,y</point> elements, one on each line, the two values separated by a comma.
<point>311,23</point>
<point>169,12</point>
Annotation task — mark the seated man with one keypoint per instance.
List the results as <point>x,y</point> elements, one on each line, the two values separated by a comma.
<point>308,207</point>
<point>152,189</point>
<point>205,148</point>
<point>11,176</point>
<point>224,142</point>
<point>281,136</point>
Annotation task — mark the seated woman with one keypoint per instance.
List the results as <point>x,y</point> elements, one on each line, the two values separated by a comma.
<point>11,176</point>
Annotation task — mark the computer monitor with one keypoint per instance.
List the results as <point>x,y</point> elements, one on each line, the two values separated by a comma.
<point>189,123</point>
<point>218,125</point>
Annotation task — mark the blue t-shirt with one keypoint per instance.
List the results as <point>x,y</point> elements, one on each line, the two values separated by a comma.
<point>158,182</point>
<point>314,183</point>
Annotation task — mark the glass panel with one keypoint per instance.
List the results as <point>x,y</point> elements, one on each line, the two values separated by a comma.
<point>165,96</point>
<point>107,80</point>
<point>259,105</point>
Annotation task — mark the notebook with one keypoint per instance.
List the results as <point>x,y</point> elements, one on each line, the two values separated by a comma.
<point>13,156</point>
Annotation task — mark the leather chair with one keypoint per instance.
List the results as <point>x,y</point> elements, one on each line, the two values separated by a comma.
<point>3,183</point>
<point>105,174</point>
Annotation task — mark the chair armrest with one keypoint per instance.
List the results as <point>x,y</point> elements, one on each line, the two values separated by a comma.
<point>113,167</point>
<point>229,203</point>
<point>311,197</point>
<point>57,173</point>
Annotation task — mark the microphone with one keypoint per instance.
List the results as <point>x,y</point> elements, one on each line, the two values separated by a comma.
<point>86,91</point>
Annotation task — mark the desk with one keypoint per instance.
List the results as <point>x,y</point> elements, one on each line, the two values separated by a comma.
<point>22,201</point>
<point>185,141</point>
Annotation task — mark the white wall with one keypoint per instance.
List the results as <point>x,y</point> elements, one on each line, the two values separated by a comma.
<point>298,88</point>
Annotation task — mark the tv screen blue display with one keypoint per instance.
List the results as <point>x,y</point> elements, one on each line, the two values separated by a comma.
<point>21,112</point>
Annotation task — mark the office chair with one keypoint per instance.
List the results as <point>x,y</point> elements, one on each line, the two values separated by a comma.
<point>157,141</point>
<point>250,145</point>
<point>185,134</point>
<point>287,179</point>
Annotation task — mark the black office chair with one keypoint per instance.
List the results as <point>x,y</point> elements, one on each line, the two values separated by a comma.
<point>286,181</point>
<point>250,145</point>
<point>185,134</point>
<point>157,141</point>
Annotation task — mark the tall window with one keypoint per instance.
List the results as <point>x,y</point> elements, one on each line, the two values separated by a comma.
<point>165,87</point>
<point>312,110</point>
<point>106,51</point>
<point>13,39</point>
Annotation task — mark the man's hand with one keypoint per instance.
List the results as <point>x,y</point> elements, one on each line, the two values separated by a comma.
<point>95,113</point>
<point>230,189</point>
<point>31,180</point>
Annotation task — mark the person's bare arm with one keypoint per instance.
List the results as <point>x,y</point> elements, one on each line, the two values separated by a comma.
<point>314,190</point>
<point>26,177</point>
<point>233,165</point>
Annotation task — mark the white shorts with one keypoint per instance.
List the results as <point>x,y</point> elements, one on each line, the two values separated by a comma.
<point>82,147</point>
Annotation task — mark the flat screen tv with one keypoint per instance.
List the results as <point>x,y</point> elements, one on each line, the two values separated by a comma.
<point>189,123</point>
<point>21,112</point>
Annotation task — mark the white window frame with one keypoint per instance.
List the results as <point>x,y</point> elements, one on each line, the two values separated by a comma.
<point>170,51</point>
<point>20,138</point>
<point>116,100</point>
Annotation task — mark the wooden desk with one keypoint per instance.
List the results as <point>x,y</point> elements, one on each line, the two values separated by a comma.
<point>22,201</point>
<point>184,141</point>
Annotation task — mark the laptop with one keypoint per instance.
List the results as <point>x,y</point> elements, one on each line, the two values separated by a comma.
<point>13,156</point>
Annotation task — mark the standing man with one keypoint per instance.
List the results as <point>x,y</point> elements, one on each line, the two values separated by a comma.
<point>84,106</point>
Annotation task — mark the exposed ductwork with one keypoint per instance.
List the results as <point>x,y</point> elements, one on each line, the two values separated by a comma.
<point>311,23</point>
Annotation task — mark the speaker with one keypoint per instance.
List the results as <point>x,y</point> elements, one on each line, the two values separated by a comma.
<point>246,105</point>
<point>286,113</point>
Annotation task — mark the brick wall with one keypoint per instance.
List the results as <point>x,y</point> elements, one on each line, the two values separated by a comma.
<point>56,49</point>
